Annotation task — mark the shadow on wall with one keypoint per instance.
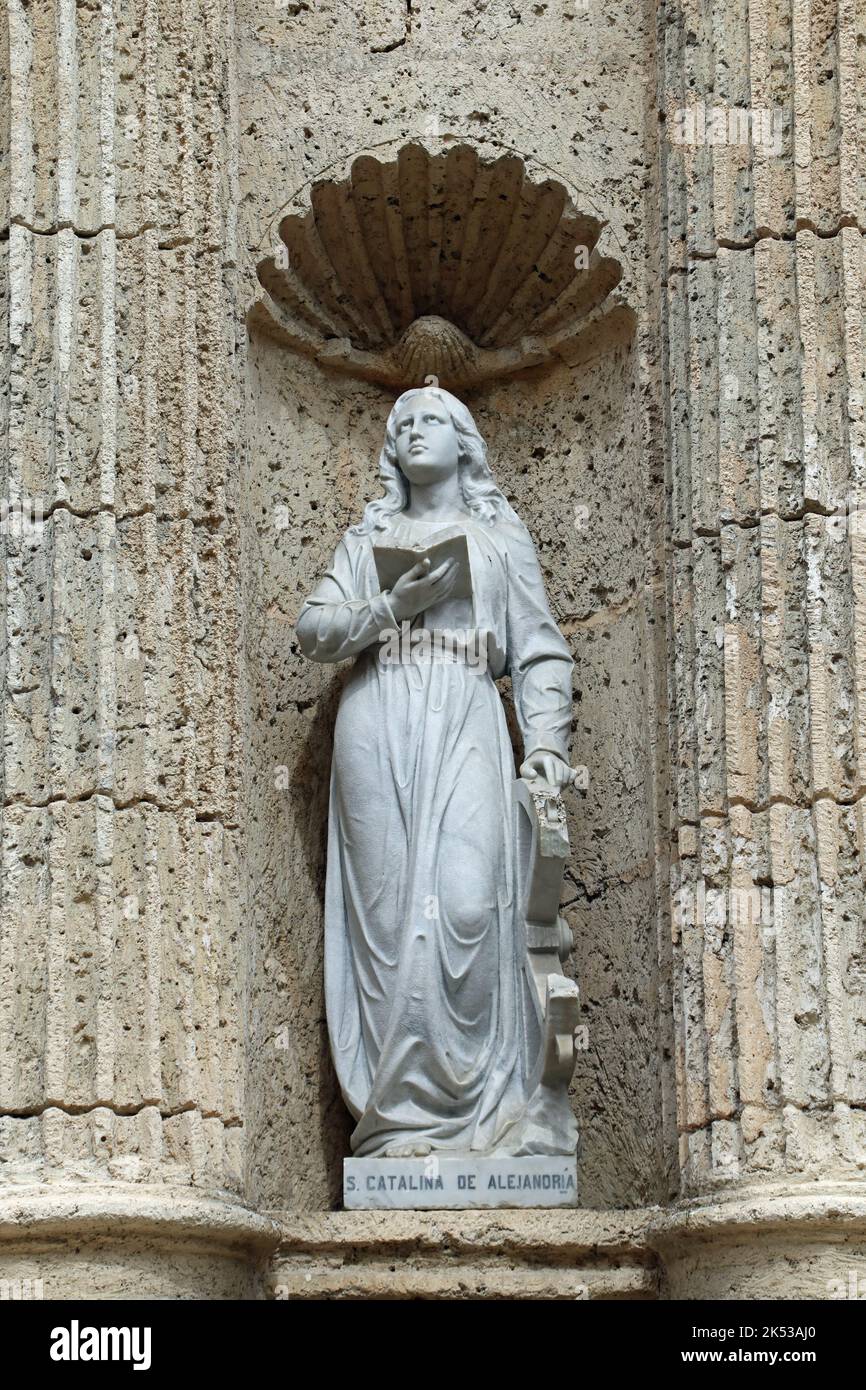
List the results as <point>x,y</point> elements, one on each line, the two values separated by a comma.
<point>309,788</point>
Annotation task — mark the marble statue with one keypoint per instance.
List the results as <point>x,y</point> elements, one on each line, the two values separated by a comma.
<point>450,1022</point>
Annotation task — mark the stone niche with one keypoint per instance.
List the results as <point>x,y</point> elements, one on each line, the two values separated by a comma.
<point>485,273</point>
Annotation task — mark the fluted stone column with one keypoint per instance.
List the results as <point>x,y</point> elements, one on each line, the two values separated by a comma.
<point>764,275</point>
<point>121,974</point>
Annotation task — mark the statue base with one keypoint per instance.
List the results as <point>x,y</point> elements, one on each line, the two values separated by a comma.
<point>454,1183</point>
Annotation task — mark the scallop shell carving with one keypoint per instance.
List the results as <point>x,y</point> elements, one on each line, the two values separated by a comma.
<point>433,346</point>
<point>441,265</point>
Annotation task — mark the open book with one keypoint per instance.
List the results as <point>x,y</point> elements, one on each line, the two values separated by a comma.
<point>448,544</point>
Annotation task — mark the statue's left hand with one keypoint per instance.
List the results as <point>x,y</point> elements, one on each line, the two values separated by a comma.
<point>549,768</point>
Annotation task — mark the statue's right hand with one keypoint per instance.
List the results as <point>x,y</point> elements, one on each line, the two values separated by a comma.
<point>420,587</point>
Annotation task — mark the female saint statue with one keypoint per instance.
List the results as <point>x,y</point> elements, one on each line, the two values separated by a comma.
<point>434,1029</point>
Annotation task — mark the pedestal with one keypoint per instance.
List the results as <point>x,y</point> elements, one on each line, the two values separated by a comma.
<point>452,1184</point>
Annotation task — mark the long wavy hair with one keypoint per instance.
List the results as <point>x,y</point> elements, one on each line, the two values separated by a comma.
<point>482,497</point>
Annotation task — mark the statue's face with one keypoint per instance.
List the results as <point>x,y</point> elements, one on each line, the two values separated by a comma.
<point>427,443</point>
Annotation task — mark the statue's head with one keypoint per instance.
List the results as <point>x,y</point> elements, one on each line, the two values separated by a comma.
<point>428,434</point>
<point>426,442</point>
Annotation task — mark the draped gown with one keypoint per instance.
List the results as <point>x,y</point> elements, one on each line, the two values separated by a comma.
<point>433,1026</point>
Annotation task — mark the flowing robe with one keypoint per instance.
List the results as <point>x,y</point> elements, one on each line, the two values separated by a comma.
<point>433,1024</point>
